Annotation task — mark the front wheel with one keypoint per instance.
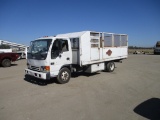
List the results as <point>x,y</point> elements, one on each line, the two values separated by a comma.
<point>110,66</point>
<point>64,76</point>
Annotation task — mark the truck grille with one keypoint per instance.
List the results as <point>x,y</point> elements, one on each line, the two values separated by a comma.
<point>34,68</point>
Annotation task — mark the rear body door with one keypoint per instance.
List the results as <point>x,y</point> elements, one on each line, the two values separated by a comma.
<point>95,46</point>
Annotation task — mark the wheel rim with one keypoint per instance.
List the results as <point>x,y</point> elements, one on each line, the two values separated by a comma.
<point>65,76</point>
<point>112,66</point>
<point>7,63</point>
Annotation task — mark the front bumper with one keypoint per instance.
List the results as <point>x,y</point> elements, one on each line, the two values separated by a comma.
<point>45,76</point>
<point>157,51</point>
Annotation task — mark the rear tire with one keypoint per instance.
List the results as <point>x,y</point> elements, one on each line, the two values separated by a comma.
<point>64,76</point>
<point>6,63</point>
<point>110,66</point>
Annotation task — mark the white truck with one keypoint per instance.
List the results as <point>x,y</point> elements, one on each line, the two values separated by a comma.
<point>157,48</point>
<point>5,50</point>
<point>23,54</point>
<point>20,49</point>
<point>88,51</point>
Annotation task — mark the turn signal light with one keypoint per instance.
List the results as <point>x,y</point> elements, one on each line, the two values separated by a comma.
<point>47,68</point>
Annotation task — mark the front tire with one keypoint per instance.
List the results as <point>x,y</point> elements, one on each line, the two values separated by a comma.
<point>6,63</point>
<point>110,66</point>
<point>64,76</point>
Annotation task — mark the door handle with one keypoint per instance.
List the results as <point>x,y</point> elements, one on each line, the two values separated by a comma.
<point>52,63</point>
<point>68,58</point>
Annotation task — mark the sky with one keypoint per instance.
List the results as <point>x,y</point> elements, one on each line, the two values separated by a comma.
<point>22,21</point>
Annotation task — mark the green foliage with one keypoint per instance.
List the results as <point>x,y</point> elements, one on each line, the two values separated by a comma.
<point>135,47</point>
<point>4,46</point>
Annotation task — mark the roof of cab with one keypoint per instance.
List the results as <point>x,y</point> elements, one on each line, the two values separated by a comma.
<point>73,34</point>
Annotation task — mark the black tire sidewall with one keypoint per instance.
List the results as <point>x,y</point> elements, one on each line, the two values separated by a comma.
<point>108,67</point>
<point>59,79</point>
<point>6,63</point>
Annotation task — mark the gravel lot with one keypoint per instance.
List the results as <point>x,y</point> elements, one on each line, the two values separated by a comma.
<point>131,92</point>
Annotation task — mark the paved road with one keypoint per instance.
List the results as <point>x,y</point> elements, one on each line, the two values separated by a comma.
<point>131,92</point>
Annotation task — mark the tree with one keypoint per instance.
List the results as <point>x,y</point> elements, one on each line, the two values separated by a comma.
<point>4,46</point>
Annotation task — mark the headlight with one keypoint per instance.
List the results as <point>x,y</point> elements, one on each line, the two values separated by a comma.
<point>45,68</point>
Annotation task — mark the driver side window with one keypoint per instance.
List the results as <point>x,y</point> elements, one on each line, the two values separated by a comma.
<point>55,49</point>
<point>59,46</point>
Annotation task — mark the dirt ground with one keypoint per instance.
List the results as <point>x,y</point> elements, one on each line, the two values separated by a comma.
<point>131,92</point>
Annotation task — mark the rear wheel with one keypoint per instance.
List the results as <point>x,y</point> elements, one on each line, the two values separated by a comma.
<point>6,63</point>
<point>110,66</point>
<point>64,76</point>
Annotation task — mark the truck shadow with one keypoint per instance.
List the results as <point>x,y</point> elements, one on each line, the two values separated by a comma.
<point>149,109</point>
<point>40,82</point>
<point>14,64</point>
<point>77,74</point>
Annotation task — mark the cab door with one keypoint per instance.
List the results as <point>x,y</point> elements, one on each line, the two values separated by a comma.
<point>60,55</point>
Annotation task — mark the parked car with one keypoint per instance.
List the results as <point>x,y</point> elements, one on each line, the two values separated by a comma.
<point>136,52</point>
<point>7,58</point>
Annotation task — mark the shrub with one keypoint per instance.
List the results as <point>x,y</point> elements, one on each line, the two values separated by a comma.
<point>4,46</point>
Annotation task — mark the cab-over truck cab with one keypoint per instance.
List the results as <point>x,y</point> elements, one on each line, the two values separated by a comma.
<point>46,56</point>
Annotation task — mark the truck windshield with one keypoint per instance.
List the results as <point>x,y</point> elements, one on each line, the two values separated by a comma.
<point>39,49</point>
